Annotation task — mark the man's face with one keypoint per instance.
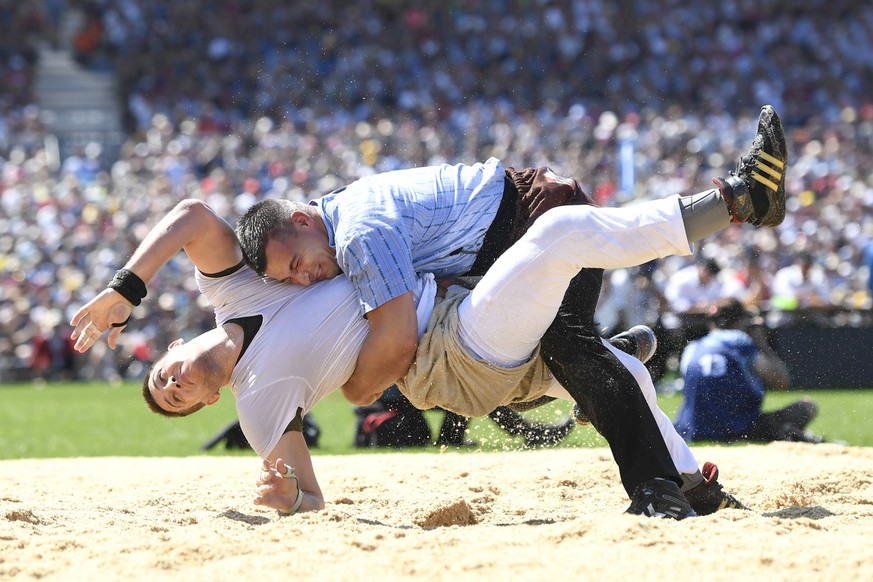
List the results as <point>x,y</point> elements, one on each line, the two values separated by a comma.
<point>303,258</point>
<point>187,375</point>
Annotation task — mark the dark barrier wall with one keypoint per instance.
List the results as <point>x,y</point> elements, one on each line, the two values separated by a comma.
<point>824,348</point>
<point>820,357</point>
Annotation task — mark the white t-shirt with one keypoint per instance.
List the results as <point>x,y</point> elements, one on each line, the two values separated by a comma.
<point>306,346</point>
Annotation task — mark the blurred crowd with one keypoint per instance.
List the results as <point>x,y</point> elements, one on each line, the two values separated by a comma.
<point>233,100</point>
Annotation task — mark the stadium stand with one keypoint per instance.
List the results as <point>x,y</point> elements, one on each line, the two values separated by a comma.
<point>234,100</point>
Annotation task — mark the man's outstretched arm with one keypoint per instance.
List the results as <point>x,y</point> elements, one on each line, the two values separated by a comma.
<point>289,492</point>
<point>192,226</point>
<point>387,352</point>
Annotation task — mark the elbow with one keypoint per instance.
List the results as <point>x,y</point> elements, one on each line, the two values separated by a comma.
<point>782,384</point>
<point>189,210</point>
<point>191,206</point>
<point>783,378</point>
<point>777,381</point>
<point>363,400</point>
<point>360,397</point>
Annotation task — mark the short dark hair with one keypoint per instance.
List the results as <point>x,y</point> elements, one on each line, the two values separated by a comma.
<point>153,405</point>
<point>731,313</point>
<point>712,266</point>
<point>259,223</point>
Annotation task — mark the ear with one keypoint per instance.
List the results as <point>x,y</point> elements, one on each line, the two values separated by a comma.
<point>300,218</point>
<point>176,344</point>
<point>213,398</point>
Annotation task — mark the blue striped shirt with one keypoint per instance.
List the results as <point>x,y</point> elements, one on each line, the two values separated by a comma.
<point>388,227</point>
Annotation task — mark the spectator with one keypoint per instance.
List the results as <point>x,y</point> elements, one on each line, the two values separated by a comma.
<point>800,285</point>
<point>694,288</point>
<point>868,262</point>
<point>726,374</point>
<point>229,116</point>
<point>629,298</point>
<point>757,283</point>
<point>688,294</point>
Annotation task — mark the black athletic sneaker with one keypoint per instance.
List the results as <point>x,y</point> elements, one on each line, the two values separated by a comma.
<point>755,193</point>
<point>708,496</point>
<point>660,498</point>
<point>639,341</point>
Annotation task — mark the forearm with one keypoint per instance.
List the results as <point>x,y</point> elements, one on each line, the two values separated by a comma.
<point>161,244</point>
<point>279,492</point>
<point>378,367</point>
<point>387,352</point>
<point>768,365</point>
<point>773,372</point>
<point>207,239</point>
<point>191,226</point>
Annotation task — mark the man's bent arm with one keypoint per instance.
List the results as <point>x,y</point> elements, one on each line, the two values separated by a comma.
<point>767,364</point>
<point>387,352</point>
<point>192,226</point>
<point>279,492</point>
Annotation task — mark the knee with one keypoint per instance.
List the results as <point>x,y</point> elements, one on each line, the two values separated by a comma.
<point>558,220</point>
<point>809,407</point>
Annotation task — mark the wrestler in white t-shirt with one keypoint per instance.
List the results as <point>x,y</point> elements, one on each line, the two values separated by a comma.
<point>305,345</point>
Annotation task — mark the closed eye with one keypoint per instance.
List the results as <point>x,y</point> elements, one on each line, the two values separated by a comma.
<point>292,270</point>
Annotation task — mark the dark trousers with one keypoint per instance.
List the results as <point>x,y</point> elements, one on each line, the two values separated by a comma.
<point>785,424</point>
<point>603,388</point>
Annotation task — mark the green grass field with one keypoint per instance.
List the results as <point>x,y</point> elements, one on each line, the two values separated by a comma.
<point>70,420</point>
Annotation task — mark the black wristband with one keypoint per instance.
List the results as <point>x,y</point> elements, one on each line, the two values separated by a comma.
<point>129,286</point>
<point>120,323</point>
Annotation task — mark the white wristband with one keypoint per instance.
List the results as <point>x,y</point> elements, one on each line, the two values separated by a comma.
<point>290,474</point>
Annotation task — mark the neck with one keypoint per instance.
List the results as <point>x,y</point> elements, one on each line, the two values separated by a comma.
<point>321,225</point>
<point>317,219</point>
<point>228,346</point>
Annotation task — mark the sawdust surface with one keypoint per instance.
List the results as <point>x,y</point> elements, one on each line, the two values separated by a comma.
<point>519,515</point>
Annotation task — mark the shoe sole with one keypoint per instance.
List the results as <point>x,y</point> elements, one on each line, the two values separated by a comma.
<point>659,498</point>
<point>650,343</point>
<point>646,346</point>
<point>769,172</point>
